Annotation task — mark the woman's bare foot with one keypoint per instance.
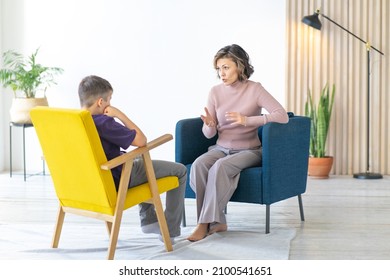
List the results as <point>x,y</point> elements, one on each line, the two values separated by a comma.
<point>217,227</point>
<point>199,233</point>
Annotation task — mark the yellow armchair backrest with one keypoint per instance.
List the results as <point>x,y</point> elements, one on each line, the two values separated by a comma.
<point>73,152</point>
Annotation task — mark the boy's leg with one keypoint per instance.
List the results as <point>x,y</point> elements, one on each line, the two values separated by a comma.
<point>174,198</point>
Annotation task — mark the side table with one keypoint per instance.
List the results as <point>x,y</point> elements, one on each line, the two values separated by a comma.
<point>23,126</point>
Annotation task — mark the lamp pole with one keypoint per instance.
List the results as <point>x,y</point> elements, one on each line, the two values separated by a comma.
<point>314,22</point>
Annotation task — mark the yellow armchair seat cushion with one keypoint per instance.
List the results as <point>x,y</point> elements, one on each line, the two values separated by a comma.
<point>134,196</point>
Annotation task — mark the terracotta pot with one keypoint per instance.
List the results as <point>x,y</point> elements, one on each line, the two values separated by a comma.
<point>20,108</point>
<point>319,168</point>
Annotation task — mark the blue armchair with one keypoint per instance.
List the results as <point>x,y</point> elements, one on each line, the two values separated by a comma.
<point>283,173</point>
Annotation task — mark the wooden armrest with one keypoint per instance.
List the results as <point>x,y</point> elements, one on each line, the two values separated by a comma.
<point>136,152</point>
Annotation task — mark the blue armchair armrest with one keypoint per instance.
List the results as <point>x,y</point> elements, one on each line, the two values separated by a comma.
<point>285,159</point>
<point>190,142</point>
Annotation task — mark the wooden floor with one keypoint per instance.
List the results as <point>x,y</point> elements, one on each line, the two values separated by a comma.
<point>345,218</point>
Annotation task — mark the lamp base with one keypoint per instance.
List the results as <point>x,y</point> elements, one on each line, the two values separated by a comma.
<point>367,175</point>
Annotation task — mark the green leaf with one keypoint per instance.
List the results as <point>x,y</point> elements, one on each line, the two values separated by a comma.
<point>26,75</point>
<point>320,119</point>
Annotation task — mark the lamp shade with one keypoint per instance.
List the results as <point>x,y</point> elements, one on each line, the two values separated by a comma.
<point>312,21</point>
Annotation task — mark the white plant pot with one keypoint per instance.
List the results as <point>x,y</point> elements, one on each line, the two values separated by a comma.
<point>20,108</point>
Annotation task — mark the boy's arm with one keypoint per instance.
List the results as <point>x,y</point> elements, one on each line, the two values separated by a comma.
<point>140,138</point>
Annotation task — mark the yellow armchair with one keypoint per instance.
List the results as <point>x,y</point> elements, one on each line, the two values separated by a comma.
<point>81,173</point>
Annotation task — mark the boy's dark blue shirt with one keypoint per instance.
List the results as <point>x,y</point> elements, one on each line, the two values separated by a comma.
<point>115,138</point>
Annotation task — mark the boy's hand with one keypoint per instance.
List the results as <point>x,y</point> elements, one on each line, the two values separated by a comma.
<point>140,138</point>
<point>112,112</point>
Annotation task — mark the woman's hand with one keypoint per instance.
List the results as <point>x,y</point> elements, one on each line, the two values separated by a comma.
<point>235,118</point>
<point>208,119</point>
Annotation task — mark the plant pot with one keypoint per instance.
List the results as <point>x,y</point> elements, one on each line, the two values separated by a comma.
<point>20,108</point>
<point>319,168</point>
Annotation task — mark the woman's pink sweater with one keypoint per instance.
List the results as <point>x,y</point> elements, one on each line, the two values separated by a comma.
<point>248,98</point>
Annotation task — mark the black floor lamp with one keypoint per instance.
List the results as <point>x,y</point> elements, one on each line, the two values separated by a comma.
<point>314,22</point>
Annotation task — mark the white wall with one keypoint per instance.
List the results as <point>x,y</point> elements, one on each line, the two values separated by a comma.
<point>11,37</point>
<point>2,97</point>
<point>157,54</point>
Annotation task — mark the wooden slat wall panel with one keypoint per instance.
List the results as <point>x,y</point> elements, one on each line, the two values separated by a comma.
<point>385,84</point>
<point>331,55</point>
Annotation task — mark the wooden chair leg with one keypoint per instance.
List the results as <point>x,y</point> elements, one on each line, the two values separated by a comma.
<point>301,207</point>
<point>114,235</point>
<point>267,218</point>
<point>109,227</point>
<point>116,224</point>
<point>163,225</point>
<point>58,228</point>
<point>157,201</point>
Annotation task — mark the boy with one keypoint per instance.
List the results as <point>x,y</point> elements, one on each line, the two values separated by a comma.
<point>95,95</point>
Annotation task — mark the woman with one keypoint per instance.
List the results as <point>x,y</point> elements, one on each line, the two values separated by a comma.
<point>234,111</point>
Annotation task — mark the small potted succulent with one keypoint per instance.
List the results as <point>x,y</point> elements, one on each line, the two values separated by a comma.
<point>320,163</point>
<point>28,80</point>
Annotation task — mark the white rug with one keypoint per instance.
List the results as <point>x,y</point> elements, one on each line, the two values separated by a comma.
<point>89,242</point>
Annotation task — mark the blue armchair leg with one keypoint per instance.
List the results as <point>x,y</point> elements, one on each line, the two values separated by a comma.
<point>301,207</point>
<point>267,218</point>
<point>184,222</point>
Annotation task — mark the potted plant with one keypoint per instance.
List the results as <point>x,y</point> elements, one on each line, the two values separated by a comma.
<point>320,163</point>
<point>28,80</point>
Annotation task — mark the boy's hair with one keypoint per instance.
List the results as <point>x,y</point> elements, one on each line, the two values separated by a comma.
<point>240,57</point>
<point>91,88</point>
